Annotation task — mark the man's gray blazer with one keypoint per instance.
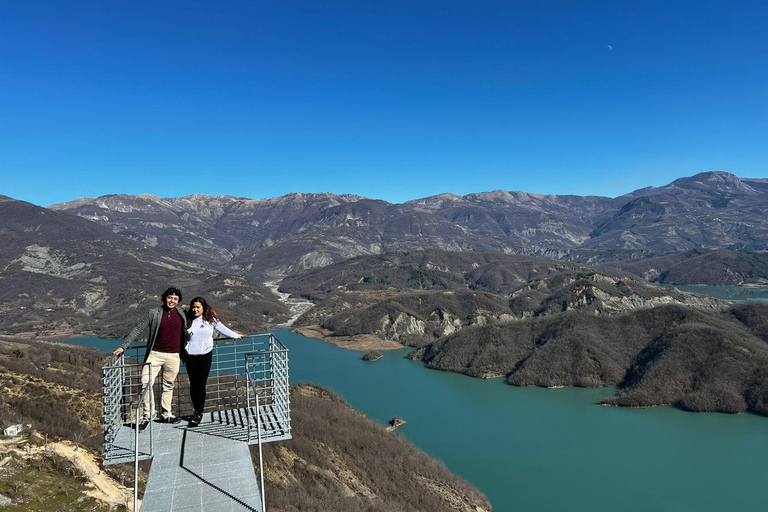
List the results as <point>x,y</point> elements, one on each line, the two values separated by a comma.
<point>152,321</point>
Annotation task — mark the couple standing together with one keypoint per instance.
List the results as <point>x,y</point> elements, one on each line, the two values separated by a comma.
<point>175,335</point>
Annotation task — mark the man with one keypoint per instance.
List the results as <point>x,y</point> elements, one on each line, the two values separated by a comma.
<point>167,333</point>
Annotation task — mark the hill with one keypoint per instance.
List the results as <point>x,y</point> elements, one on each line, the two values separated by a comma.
<point>711,210</point>
<point>423,270</point>
<point>342,461</point>
<point>61,275</point>
<point>670,355</point>
<point>567,326</point>
<point>702,266</point>
<point>416,297</point>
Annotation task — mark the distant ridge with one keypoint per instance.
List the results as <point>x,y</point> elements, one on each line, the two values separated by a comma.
<point>285,235</point>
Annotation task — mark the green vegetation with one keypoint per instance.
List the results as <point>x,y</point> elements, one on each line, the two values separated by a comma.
<point>46,482</point>
<point>384,280</point>
<point>760,266</point>
<point>427,279</point>
<point>54,388</point>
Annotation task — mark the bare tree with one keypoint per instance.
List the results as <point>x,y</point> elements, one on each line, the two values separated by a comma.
<point>78,436</point>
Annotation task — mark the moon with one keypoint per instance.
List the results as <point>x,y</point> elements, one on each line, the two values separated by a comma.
<point>610,48</point>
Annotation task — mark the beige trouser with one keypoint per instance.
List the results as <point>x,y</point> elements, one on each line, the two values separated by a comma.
<point>169,365</point>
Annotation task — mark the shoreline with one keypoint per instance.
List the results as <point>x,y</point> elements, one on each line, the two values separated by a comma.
<point>358,343</point>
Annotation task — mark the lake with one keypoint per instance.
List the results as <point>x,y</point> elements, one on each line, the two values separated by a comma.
<point>734,293</point>
<point>534,449</point>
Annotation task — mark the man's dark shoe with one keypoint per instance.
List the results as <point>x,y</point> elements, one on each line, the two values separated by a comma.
<point>170,419</point>
<point>143,424</point>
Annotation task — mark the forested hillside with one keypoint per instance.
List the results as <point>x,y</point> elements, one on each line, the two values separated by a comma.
<point>670,355</point>
<point>340,461</point>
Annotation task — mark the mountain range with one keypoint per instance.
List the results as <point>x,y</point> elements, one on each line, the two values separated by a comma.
<point>272,238</point>
<point>464,279</point>
<point>89,264</point>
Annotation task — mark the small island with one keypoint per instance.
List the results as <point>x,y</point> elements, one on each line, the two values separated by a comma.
<point>372,356</point>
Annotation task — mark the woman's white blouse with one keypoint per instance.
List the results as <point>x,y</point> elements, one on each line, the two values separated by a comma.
<point>201,335</point>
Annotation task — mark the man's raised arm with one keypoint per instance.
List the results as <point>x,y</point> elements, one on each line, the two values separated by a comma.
<point>135,332</point>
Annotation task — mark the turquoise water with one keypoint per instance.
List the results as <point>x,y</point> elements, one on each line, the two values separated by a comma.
<point>533,449</point>
<point>734,293</point>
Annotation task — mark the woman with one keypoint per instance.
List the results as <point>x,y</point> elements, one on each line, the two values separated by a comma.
<point>202,320</point>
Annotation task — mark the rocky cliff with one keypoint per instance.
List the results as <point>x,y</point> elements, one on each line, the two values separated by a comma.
<point>416,297</point>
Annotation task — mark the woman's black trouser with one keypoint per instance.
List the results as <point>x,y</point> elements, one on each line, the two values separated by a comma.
<point>198,368</point>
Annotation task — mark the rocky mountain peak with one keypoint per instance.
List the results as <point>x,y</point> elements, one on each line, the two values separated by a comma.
<point>435,202</point>
<point>714,181</point>
<point>501,196</point>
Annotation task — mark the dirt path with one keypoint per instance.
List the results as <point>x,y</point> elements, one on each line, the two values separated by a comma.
<point>106,488</point>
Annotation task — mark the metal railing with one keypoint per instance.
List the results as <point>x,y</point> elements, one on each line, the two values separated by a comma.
<point>241,371</point>
<point>122,393</point>
<point>267,374</point>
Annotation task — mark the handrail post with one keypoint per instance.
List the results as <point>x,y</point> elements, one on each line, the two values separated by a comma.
<point>248,397</point>
<point>250,383</point>
<point>261,458</point>
<point>146,389</point>
<point>136,462</point>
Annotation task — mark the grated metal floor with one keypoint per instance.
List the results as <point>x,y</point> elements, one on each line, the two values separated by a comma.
<point>199,469</point>
<point>231,424</point>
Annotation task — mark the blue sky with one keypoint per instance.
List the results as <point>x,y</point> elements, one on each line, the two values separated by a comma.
<point>391,100</point>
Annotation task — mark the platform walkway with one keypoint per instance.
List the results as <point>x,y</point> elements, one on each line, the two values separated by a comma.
<point>207,468</point>
<point>197,469</point>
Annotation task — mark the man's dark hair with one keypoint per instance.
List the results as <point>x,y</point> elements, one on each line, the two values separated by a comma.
<point>172,291</point>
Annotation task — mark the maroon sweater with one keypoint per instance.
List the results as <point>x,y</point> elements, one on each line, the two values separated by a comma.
<point>169,334</point>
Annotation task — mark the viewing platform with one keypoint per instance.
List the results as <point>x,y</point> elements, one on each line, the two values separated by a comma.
<point>209,467</point>
<point>199,469</point>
